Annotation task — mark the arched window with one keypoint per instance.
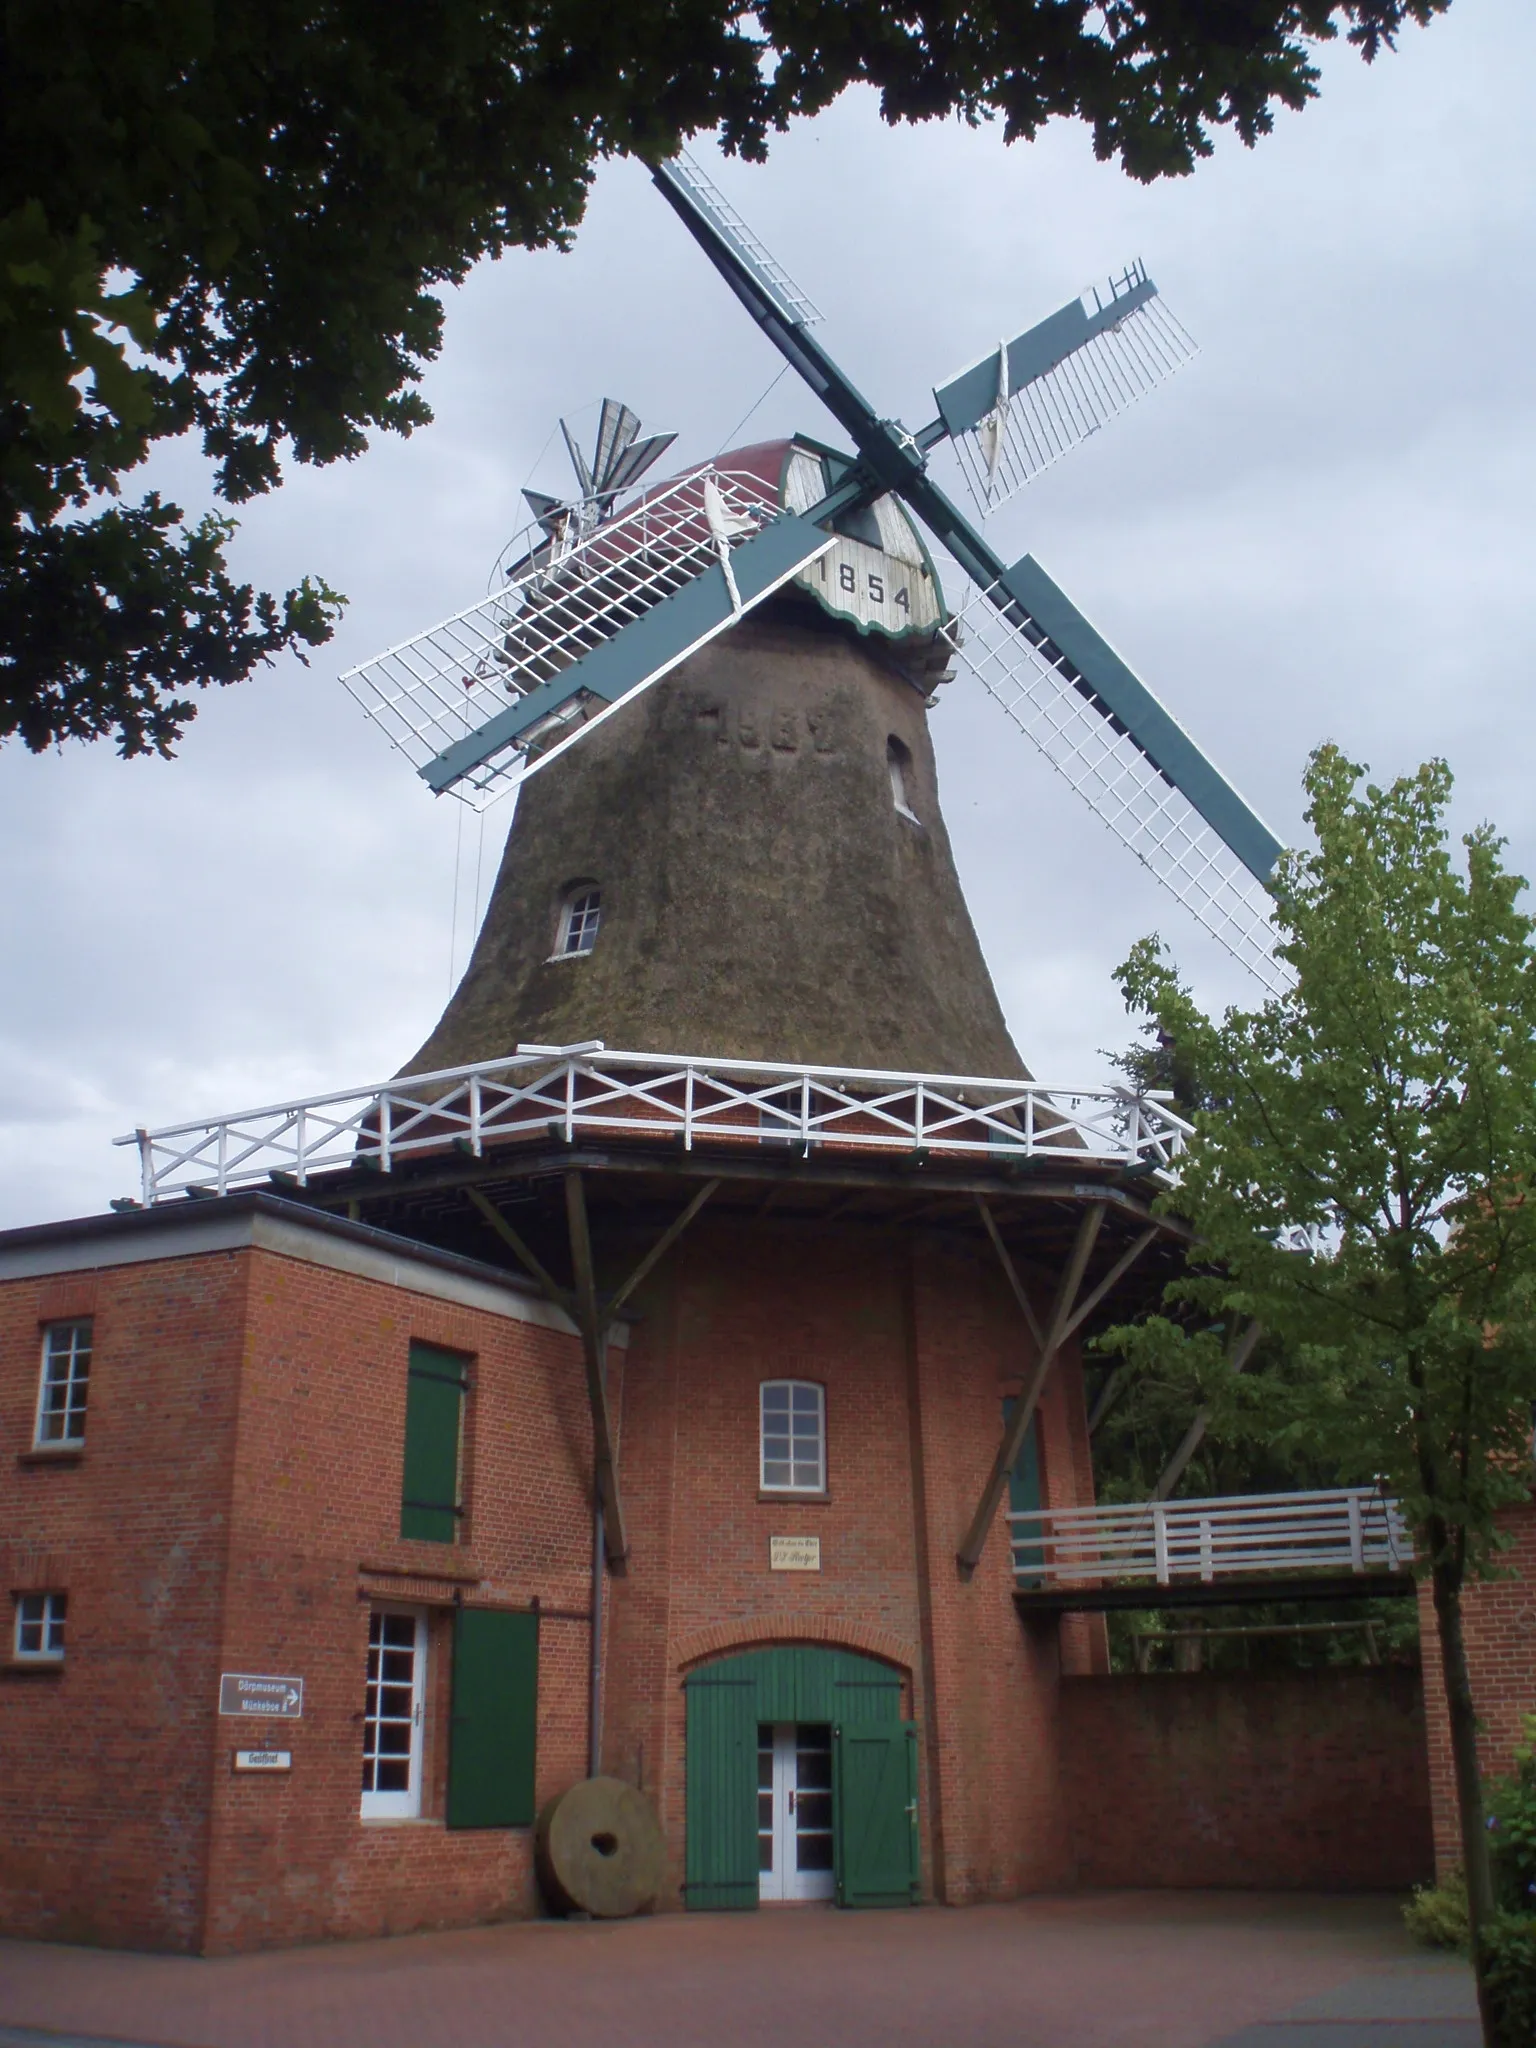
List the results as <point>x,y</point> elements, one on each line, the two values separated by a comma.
<point>580,916</point>
<point>898,760</point>
<point>793,1437</point>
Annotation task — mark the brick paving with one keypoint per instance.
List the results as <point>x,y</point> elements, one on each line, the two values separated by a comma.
<point>1107,1970</point>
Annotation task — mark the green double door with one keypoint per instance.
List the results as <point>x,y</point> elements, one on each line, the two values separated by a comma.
<point>833,1698</point>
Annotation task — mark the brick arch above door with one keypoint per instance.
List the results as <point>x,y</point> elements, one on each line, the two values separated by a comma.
<point>764,1634</point>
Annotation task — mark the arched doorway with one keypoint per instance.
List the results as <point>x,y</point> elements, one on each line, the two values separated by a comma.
<point>801,1781</point>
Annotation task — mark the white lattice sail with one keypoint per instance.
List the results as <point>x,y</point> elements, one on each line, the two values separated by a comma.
<point>1035,688</point>
<point>441,688</point>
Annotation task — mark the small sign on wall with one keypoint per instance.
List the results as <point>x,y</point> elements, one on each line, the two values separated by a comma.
<point>794,1553</point>
<point>278,1699</point>
<point>263,1759</point>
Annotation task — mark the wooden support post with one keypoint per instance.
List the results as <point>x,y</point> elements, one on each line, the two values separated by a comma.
<point>1113,1380</point>
<point>1174,1470</point>
<point>522,1253</point>
<point>659,1249</point>
<point>969,1553</point>
<point>594,1348</point>
<point>1010,1273</point>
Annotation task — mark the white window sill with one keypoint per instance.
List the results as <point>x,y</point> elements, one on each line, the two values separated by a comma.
<point>561,959</point>
<point>403,1820</point>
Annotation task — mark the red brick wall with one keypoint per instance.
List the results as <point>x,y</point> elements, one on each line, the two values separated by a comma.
<point>1499,1621</point>
<point>238,1506</point>
<point>317,1497</point>
<point>244,1447</point>
<point>103,1787</point>
<point>916,1347</point>
<point>1313,1781</point>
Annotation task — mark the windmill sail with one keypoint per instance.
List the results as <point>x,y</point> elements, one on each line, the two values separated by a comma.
<point>570,639</point>
<point>1057,679</point>
<point>1015,412</point>
<point>1067,690</point>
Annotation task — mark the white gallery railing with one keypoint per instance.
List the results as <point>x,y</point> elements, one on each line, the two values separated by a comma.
<point>573,1092</point>
<point>1348,1529</point>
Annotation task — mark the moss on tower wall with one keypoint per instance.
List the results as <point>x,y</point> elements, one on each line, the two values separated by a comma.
<point>762,895</point>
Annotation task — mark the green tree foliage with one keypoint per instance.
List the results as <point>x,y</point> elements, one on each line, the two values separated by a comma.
<point>236,219</point>
<point>1367,1188</point>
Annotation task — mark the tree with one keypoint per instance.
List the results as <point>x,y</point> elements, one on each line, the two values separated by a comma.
<point>1365,1188</point>
<point>234,219</point>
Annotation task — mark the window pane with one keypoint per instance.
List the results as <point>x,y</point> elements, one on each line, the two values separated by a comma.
<point>776,1473</point>
<point>775,1399</point>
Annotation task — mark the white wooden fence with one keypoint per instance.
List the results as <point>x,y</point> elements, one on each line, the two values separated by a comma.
<point>573,1092</point>
<point>1348,1529</point>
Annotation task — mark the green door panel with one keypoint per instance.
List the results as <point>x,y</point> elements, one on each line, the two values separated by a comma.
<point>721,1780</point>
<point>1024,1497</point>
<point>493,1738</point>
<point>800,1682</point>
<point>434,1402</point>
<point>874,1792</point>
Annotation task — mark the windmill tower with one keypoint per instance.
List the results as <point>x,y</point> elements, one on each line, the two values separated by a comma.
<point>727,1079</point>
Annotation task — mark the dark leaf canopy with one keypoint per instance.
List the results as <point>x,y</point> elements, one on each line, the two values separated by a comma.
<point>236,219</point>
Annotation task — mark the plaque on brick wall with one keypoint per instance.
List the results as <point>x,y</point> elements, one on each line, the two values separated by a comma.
<point>794,1553</point>
<point>275,1699</point>
<point>263,1759</point>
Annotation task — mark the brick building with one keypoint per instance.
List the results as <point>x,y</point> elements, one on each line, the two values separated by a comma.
<point>409,1456</point>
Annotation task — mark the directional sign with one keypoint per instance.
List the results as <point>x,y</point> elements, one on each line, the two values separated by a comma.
<point>277,1699</point>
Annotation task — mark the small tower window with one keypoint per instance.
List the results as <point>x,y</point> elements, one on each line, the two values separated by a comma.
<point>580,917</point>
<point>899,761</point>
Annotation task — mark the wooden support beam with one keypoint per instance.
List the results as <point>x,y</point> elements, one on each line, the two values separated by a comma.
<point>594,1348</point>
<point>658,1250</point>
<point>974,1541</point>
<point>521,1252</point>
<point>1112,1278</point>
<point>1241,1350</point>
<point>1032,1321</point>
<point>1113,1381</point>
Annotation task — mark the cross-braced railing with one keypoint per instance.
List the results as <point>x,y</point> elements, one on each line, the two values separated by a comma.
<point>591,1093</point>
<point>1346,1529</point>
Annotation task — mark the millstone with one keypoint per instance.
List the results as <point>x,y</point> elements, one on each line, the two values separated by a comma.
<point>598,1850</point>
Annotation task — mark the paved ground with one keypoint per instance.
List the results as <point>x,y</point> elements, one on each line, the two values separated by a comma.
<point>1112,1970</point>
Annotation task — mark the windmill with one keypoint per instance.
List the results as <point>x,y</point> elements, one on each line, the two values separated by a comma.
<point>610,600</point>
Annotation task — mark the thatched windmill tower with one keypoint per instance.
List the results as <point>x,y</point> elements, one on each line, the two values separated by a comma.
<point>750,1082</point>
<point>760,847</point>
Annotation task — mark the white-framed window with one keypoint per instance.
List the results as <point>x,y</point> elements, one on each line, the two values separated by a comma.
<point>898,759</point>
<point>393,1712</point>
<point>64,1383</point>
<point>580,916</point>
<point>793,1437</point>
<point>40,1619</point>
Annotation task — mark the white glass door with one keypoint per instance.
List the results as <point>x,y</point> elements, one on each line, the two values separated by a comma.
<point>392,1714</point>
<point>794,1810</point>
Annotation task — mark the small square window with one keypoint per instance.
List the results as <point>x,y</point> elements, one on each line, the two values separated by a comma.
<point>793,1437</point>
<point>65,1382</point>
<point>40,1627</point>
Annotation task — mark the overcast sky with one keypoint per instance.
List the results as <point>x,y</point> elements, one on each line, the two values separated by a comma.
<point>1322,528</point>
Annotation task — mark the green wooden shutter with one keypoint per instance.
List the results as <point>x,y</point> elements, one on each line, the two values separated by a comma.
<point>874,1800</point>
<point>721,1772</point>
<point>1024,1497</point>
<point>491,1751</point>
<point>434,1400</point>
